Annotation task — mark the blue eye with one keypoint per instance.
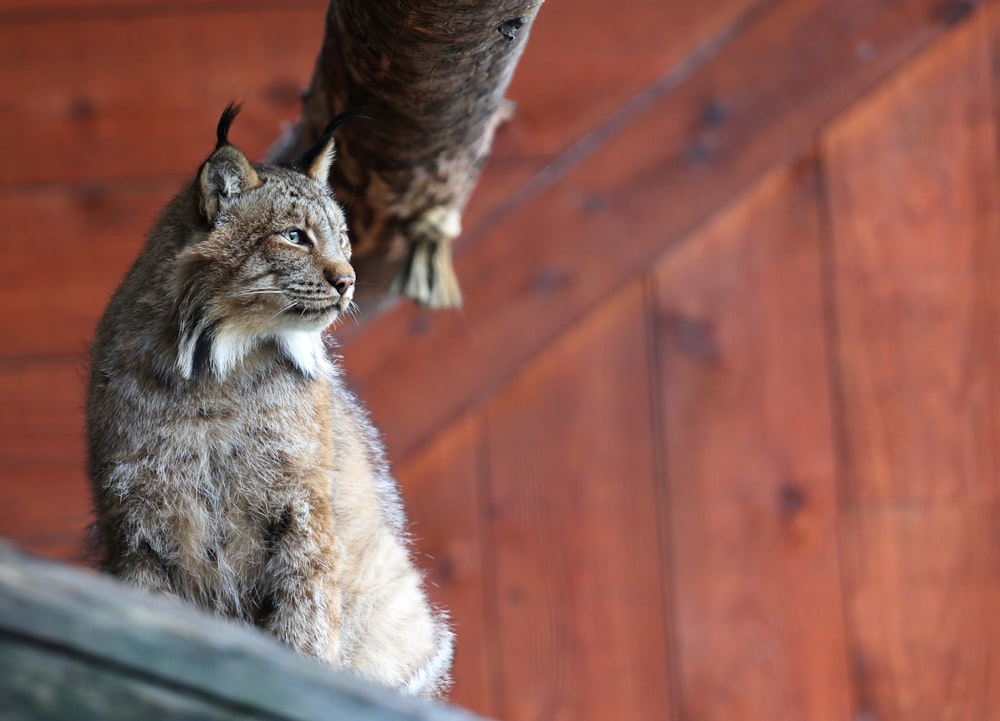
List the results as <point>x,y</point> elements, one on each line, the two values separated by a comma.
<point>298,237</point>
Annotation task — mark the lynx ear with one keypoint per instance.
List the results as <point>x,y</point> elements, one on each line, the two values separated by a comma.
<point>226,173</point>
<point>316,161</point>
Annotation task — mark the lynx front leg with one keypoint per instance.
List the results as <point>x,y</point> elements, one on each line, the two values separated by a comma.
<point>396,637</point>
<point>136,543</point>
<point>303,607</point>
<point>143,567</point>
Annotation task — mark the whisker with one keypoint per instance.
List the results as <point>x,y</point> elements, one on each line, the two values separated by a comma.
<point>259,291</point>
<point>283,309</point>
<point>353,311</point>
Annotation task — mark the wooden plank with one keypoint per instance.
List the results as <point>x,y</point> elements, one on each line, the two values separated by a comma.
<point>140,96</point>
<point>913,198</point>
<point>587,71</point>
<point>93,229</point>
<point>912,176</point>
<point>924,596</point>
<point>88,107</point>
<point>575,528</point>
<point>60,268</point>
<point>44,685</point>
<point>441,488</point>
<point>993,15</point>
<point>750,462</point>
<point>587,59</point>
<point>83,615</point>
<point>762,98</point>
<point>44,493</point>
<point>24,10</point>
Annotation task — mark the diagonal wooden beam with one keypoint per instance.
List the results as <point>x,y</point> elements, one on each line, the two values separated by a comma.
<point>755,106</point>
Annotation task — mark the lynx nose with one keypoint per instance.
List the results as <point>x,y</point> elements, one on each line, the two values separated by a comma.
<point>340,279</point>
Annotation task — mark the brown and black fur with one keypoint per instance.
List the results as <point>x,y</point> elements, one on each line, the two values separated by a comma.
<point>230,465</point>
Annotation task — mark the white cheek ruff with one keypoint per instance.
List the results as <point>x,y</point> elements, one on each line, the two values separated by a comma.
<point>304,348</point>
<point>230,346</point>
<point>185,356</point>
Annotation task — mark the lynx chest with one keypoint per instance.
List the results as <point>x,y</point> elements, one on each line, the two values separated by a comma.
<point>244,471</point>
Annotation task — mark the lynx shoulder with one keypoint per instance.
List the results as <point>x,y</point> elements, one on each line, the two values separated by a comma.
<point>230,466</point>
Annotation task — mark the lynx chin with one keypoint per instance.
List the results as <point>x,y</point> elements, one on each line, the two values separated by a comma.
<point>230,465</point>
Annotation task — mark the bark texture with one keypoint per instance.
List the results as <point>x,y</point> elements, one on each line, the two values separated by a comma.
<point>430,77</point>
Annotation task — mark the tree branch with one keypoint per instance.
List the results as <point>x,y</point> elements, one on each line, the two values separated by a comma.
<point>431,76</point>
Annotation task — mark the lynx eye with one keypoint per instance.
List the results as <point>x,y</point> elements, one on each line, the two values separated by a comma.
<point>297,237</point>
<point>344,242</point>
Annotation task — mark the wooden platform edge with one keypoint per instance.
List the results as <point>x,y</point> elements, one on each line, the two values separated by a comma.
<point>75,644</point>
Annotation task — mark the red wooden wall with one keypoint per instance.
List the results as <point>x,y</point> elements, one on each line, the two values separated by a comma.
<point>715,436</point>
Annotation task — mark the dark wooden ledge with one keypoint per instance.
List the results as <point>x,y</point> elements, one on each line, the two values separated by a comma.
<point>77,645</point>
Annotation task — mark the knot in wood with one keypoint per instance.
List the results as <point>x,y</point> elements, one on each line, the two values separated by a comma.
<point>509,28</point>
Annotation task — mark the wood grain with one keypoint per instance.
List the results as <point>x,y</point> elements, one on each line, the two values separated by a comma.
<point>152,142</point>
<point>752,507</point>
<point>441,488</point>
<point>993,29</point>
<point>623,213</point>
<point>924,594</point>
<point>575,528</point>
<point>139,97</point>
<point>47,10</point>
<point>68,254</point>
<point>748,110</point>
<point>66,634</point>
<point>589,69</point>
<point>588,59</point>
<point>44,685</point>
<point>44,494</point>
<point>912,176</point>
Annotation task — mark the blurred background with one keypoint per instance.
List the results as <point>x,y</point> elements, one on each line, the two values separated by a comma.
<point>715,435</point>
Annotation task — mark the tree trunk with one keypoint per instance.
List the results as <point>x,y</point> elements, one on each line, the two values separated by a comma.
<point>430,76</point>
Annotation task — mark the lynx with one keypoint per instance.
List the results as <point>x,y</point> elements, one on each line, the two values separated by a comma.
<point>230,465</point>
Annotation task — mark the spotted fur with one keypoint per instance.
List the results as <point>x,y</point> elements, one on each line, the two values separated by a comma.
<point>230,465</point>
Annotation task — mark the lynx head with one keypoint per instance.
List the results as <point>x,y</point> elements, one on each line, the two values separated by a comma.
<point>267,261</point>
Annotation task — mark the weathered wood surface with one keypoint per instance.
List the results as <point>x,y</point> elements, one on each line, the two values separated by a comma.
<point>75,645</point>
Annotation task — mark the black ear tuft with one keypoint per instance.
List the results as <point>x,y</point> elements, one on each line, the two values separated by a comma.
<point>227,172</point>
<point>228,116</point>
<point>315,162</point>
<point>339,120</point>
